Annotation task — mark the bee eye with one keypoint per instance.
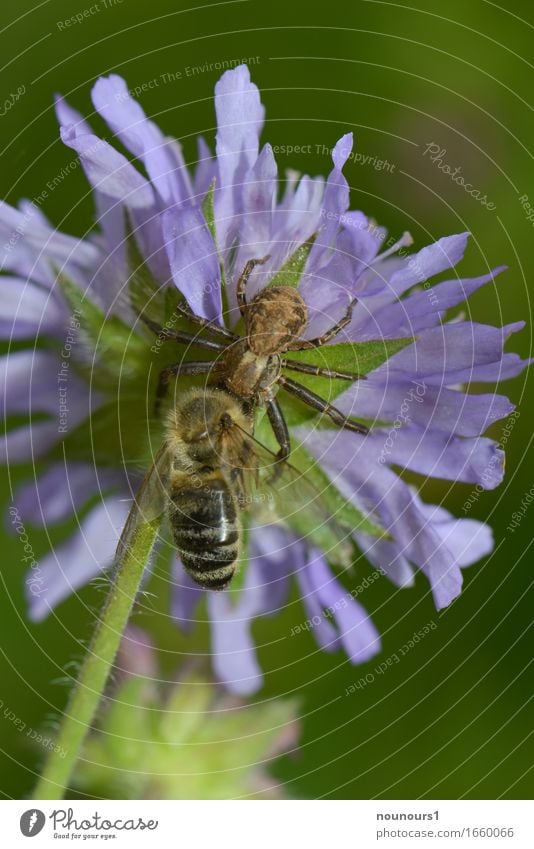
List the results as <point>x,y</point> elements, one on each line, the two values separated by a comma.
<point>225,422</point>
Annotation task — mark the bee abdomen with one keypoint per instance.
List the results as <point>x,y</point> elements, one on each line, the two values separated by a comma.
<point>206,533</point>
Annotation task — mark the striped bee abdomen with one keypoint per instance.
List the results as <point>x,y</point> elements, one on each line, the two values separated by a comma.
<point>206,532</point>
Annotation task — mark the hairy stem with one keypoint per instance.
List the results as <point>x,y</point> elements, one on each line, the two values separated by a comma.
<point>95,669</point>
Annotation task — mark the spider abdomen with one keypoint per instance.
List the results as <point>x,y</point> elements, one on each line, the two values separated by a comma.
<point>276,317</point>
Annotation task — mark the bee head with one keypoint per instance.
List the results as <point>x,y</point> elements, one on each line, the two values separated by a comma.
<point>204,417</point>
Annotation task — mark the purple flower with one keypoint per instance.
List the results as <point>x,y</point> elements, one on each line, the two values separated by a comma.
<point>415,399</point>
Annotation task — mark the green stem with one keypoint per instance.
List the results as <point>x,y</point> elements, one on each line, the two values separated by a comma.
<point>95,669</point>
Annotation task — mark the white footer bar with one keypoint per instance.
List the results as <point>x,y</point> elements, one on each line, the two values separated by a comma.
<point>269,824</point>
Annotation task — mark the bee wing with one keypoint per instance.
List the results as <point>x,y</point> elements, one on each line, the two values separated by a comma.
<point>294,499</point>
<point>150,499</point>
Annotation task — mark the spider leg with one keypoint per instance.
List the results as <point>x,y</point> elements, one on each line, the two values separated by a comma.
<point>322,372</point>
<point>280,429</point>
<point>212,326</point>
<point>178,370</point>
<point>313,400</point>
<point>243,280</point>
<point>181,336</point>
<point>281,432</point>
<point>302,344</point>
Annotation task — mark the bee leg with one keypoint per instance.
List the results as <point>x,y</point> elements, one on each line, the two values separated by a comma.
<point>302,344</point>
<point>313,400</point>
<point>243,280</point>
<point>322,372</point>
<point>184,338</point>
<point>178,370</point>
<point>281,432</point>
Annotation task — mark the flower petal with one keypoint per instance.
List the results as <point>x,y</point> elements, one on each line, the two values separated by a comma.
<point>421,309</point>
<point>79,560</point>
<point>66,115</point>
<point>325,633</point>
<point>329,291</point>
<point>259,196</point>
<point>452,353</point>
<point>240,117</point>
<point>142,137</point>
<point>186,595</point>
<point>233,651</point>
<point>22,444</point>
<point>444,409</point>
<point>357,633</point>
<point>433,259</point>
<point>109,171</point>
<point>113,177</point>
<point>467,539</point>
<point>206,170</point>
<point>387,557</point>
<point>28,227</point>
<point>361,479</point>
<point>193,260</point>
<point>29,381</point>
<point>273,547</point>
<point>438,455</point>
<point>335,204</point>
<point>110,215</point>
<point>298,216</point>
<point>27,310</point>
<point>61,491</point>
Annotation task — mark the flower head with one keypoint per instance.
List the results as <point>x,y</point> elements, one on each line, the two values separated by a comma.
<point>182,738</point>
<point>167,232</point>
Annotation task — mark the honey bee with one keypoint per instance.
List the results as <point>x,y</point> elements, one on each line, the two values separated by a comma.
<point>197,479</point>
<point>205,475</point>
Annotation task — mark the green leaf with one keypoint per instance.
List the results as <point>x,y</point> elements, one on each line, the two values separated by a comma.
<point>147,297</point>
<point>345,514</point>
<point>291,271</point>
<point>117,432</point>
<point>208,209</point>
<point>117,352</point>
<point>105,332</point>
<point>342,517</point>
<point>359,357</point>
<point>88,313</point>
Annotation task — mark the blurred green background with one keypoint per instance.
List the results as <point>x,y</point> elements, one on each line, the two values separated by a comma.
<point>453,719</point>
